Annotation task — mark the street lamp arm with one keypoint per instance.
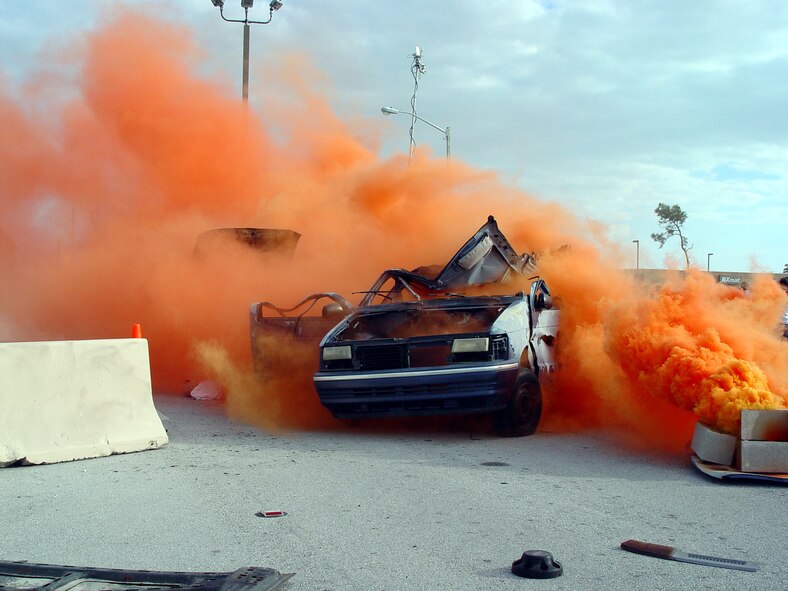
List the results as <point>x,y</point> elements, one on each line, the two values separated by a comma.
<point>246,20</point>
<point>429,123</point>
<point>391,111</point>
<point>446,132</point>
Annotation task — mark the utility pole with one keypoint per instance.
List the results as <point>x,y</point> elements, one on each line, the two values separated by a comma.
<point>246,5</point>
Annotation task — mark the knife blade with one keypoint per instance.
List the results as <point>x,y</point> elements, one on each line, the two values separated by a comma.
<point>670,553</point>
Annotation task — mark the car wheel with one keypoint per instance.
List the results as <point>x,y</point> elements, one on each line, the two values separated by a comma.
<point>522,413</point>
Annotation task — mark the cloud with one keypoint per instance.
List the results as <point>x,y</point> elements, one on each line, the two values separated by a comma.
<point>726,172</point>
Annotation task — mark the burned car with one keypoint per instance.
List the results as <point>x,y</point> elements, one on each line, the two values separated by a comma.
<point>432,341</point>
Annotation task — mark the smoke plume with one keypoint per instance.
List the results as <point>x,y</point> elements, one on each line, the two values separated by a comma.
<point>110,172</point>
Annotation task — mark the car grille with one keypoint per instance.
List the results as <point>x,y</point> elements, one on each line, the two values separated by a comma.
<point>429,356</point>
<point>382,357</point>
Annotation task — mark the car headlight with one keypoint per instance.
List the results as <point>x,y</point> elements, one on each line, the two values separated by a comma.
<point>336,353</point>
<point>473,345</point>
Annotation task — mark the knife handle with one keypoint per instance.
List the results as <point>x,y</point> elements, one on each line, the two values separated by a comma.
<point>648,549</point>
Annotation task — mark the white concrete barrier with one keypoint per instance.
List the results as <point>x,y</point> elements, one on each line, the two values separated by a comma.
<point>69,400</point>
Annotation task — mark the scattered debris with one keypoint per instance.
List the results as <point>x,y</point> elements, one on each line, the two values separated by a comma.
<point>271,513</point>
<point>670,553</point>
<point>23,575</point>
<point>730,473</point>
<point>208,390</point>
<point>537,564</point>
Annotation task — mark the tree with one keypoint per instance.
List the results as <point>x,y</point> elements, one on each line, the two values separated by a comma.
<point>671,219</point>
<point>785,269</point>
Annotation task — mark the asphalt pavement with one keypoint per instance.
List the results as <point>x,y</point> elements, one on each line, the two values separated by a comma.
<point>447,507</point>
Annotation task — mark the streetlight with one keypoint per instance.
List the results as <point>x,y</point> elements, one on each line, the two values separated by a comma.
<point>708,261</point>
<point>246,5</point>
<point>637,254</point>
<point>446,132</point>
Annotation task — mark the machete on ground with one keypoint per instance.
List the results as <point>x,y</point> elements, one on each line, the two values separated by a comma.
<point>670,553</point>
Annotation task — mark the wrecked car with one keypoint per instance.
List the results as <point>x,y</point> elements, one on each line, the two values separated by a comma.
<point>432,341</point>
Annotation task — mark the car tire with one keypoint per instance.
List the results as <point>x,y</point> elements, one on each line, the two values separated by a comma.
<point>522,413</point>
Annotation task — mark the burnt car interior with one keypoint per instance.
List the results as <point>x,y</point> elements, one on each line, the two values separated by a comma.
<point>304,325</point>
<point>411,323</point>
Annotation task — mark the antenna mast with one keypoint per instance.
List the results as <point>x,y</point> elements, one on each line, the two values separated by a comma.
<point>417,69</point>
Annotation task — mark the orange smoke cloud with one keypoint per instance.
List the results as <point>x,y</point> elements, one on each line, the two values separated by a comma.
<point>102,202</point>
<point>673,347</point>
<point>651,360</point>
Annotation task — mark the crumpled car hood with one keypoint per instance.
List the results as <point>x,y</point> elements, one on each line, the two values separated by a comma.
<point>487,257</point>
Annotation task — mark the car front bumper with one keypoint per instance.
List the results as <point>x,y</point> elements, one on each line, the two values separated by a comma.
<point>416,392</point>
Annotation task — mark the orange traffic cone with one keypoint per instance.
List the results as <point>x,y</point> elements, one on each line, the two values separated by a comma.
<point>136,331</point>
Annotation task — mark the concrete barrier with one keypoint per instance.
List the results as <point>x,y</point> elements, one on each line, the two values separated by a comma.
<point>69,400</point>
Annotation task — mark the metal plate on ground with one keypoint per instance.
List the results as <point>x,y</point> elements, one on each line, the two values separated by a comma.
<point>26,576</point>
<point>722,472</point>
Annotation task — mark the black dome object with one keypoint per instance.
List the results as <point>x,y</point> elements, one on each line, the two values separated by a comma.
<point>537,564</point>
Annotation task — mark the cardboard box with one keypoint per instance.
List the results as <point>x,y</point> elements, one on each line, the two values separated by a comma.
<point>764,425</point>
<point>713,446</point>
<point>763,456</point>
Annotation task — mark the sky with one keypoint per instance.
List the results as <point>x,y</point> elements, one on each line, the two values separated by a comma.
<point>605,107</point>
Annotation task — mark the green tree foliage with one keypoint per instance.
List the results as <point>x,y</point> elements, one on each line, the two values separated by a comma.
<point>671,220</point>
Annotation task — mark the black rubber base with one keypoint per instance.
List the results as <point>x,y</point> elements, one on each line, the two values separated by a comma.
<point>537,564</point>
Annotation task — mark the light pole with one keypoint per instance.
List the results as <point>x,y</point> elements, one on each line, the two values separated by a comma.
<point>446,132</point>
<point>246,5</point>
<point>708,261</point>
<point>637,254</point>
